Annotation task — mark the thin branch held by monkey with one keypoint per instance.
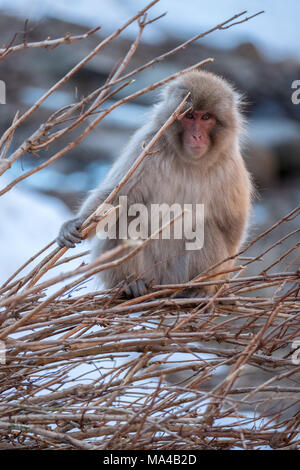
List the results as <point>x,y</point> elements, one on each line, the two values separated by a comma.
<point>196,162</point>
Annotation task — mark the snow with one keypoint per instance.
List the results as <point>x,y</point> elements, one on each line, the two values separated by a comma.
<point>272,131</point>
<point>29,95</point>
<point>50,179</point>
<point>31,220</point>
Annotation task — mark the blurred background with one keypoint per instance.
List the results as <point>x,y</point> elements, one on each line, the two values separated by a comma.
<point>261,57</point>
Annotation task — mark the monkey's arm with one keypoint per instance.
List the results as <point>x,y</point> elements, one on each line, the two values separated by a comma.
<point>69,233</point>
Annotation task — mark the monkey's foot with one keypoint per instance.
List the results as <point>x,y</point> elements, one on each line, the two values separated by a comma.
<point>135,288</point>
<point>191,293</point>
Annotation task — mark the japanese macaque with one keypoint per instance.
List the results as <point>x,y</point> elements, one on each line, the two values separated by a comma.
<point>196,161</point>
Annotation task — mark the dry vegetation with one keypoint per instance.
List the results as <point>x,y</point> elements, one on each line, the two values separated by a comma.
<point>92,371</point>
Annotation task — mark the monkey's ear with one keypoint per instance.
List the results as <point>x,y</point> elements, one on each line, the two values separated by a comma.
<point>183,89</point>
<point>240,100</point>
<point>175,88</point>
<point>180,92</point>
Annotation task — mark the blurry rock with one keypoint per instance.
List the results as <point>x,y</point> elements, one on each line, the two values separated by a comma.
<point>288,155</point>
<point>263,165</point>
<point>249,50</point>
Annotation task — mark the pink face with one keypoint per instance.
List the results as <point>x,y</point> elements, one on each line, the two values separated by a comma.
<point>197,126</point>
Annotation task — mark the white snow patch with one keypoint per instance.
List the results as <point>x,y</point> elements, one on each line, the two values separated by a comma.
<point>31,220</point>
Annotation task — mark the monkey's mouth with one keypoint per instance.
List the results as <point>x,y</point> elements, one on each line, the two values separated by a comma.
<point>196,149</point>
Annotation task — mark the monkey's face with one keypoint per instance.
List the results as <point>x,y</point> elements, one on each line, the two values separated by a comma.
<point>205,135</point>
<point>197,128</point>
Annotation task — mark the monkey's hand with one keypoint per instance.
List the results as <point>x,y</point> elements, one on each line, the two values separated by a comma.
<point>135,288</point>
<point>69,233</point>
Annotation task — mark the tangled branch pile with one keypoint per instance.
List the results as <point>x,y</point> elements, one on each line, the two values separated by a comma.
<point>95,371</point>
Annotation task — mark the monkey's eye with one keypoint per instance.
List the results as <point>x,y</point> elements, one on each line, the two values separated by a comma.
<point>189,115</point>
<point>206,116</point>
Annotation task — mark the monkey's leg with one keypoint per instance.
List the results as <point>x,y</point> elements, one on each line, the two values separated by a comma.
<point>212,289</point>
<point>136,288</point>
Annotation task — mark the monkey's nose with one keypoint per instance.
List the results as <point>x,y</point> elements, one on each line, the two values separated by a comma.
<point>197,137</point>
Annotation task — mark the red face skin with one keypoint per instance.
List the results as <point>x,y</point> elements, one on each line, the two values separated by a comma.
<point>197,126</point>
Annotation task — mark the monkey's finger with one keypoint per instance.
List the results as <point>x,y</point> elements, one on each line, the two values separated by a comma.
<point>73,238</point>
<point>141,287</point>
<point>73,230</point>
<point>69,232</point>
<point>62,242</point>
<point>134,289</point>
<point>128,291</point>
<point>67,239</point>
<point>138,288</point>
<point>78,222</point>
